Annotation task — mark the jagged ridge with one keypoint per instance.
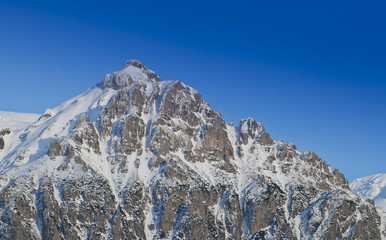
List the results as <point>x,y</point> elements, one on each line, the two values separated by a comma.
<point>135,157</point>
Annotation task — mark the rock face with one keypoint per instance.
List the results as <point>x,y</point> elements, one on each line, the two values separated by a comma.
<point>138,158</point>
<point>373,188</point>
<point>3,132</point>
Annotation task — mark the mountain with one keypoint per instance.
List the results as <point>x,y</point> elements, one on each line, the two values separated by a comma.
<point>17,121</point>
<point>135,157</point>
<point>374,188</point>
<point>371,187</point>
<point>11,122</point>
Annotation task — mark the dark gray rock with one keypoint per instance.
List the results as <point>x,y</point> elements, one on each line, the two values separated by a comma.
<point>55,149</point>
<point>2,143</point>
<point>5,131</point>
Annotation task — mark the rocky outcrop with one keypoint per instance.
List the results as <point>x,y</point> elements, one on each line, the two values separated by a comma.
<point>133,71</point>
<point>55,149</point>
<point>86,135</point>
<point>250,129</point>
<point>147,159</point>
<point>3,132</point>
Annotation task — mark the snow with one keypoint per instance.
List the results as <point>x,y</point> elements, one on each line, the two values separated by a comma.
<point>16,121</point>
<point>53,124</point>
<point>133,71</point>
<point>137,74</point>
<point>373,187</point>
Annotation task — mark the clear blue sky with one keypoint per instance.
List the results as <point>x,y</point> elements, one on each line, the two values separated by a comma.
<point>313,72</point>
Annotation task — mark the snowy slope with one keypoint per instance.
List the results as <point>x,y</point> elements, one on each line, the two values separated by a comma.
<point>16,121</point>
<point>12,125</point>
<point>373,187</point>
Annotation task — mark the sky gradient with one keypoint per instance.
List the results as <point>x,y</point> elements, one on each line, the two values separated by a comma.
<point>313,74</point>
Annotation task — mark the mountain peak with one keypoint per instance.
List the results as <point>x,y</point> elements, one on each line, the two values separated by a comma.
<point>132,71</point>
<point>153,160</point>
<point>135,63</point>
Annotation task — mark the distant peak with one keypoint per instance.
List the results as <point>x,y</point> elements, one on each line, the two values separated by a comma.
<point>133,71</point>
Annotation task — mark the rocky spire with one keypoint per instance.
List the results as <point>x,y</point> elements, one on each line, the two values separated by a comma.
<point>133,71</point>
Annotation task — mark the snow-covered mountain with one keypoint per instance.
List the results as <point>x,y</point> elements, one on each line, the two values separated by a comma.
<point>11,124</point>
<point>371,187</point>
<point>135,157</point>
<point>16,121</point>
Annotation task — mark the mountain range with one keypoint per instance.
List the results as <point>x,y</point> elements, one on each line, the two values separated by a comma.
<point>135,157</point>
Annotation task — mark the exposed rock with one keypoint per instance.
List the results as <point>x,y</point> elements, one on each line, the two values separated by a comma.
<point>86,136</point>
<point>250,129</point>
<point>2,143</point>
<point>132,71</point>
<point>55,149</point>
<point>160,163</point>
<point>48,211</point>
<point>5,131</point>
<point>133,131</point>
<point>81,120</point>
